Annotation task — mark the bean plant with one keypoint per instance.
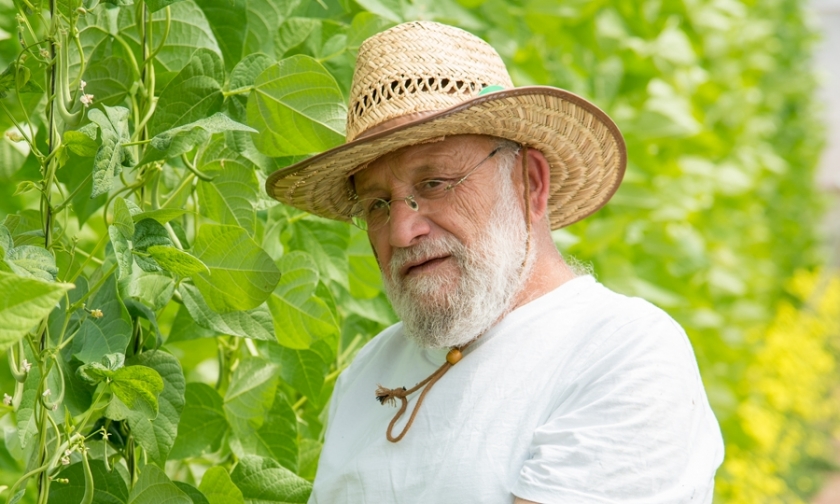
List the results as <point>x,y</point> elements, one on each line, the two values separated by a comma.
<point>161,316</point>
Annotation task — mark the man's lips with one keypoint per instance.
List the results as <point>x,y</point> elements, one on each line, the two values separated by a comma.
<point>422,265</point>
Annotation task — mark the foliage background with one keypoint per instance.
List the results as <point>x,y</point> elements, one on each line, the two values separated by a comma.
<point>714,222</point>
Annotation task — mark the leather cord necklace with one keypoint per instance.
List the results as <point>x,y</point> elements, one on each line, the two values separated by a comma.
<point>390,396</point>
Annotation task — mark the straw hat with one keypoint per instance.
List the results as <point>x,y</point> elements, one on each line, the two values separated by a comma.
<point>433,81</point>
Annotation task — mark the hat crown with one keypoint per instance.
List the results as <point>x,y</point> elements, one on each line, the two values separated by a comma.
<point>417,67</point>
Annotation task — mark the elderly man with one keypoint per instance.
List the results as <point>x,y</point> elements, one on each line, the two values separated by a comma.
<point>515,378</point>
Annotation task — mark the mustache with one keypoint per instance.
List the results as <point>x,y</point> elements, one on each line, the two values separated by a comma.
<point>445,245</point>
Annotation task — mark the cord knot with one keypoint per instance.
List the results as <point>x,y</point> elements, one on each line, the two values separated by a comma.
<point>390,396</point>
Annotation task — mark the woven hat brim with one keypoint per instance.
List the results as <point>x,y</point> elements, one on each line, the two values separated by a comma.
<point>583,146</point>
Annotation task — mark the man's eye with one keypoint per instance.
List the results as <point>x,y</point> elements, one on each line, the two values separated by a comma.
<point>432,187</point>
<point>377,205</point>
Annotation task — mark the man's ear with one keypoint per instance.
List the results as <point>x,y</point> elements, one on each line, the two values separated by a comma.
<point>539,180</point>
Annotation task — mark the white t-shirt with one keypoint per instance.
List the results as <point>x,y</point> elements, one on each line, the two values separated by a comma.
<point>580,396</point>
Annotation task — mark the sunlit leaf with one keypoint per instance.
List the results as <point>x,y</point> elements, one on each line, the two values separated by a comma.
<point>182,139</point>
<point>138,388</point>
<point>242,276</point>
<point>230,197</point>
<point>154,487</point>
<point>177,261</point>
<point>254,323</point>
<point>264,481</point>
<point>217,486</point>
<point>298,91</point>
<point>157,436</point>
<point>192,95</point>
<point>299,316</point>
<point>111,155</point>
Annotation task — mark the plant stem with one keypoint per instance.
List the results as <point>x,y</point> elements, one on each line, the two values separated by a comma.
<point>239,91</point>
<point>184,183</point>
<point>58,208</point>
<point>198,173</point>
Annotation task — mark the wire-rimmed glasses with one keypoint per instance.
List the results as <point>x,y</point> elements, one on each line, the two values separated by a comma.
<point>372,214</point>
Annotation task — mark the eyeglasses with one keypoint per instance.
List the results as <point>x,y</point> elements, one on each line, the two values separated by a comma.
<point>372,214</point>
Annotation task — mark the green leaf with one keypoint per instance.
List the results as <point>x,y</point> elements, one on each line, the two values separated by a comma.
<point>294,32</point>
<point>25,227</point>
<point>122,218</point>
<point>255,323</point>
<point>152,289</point>
<point>162,215</point>
<point>226,18</point>
<point>327,242</point>
<point>185,328</point>
<point>298,91</point>
<point>111,155</point>
<point>157,435</point>
<point>23,303</point>
<point>302,369</point>
<point>264,18</point>
<point>264,481</point>
<point>250,395</point>
<point>203,425</point>
<point>193,492</point>
<point>7,243</point>
<point>153,487</point>
<point>138,388</point>
<point>388,9</point>
<point>77,175</point>
<point>276,438</point>
<point>310,451</point>
<point>138,309</point>
<point>148,233</point>
<point>183,139</point>
<point>242,276</point>
<point>193,94</point>
<point>33,262</point>
<point>156,5</point>
<point>229,198</point>
<point>245,72</point>
<point>365,25</point>
<point>109,487</point>
<point>94,373</point>
<point>177,261</point>
<point>299,316</point>
<point>11,160</point>
<point>81,143</point>
<point>365,278</point>
<point>109,80</point>
<point>125,259</point>
<point>217,486</point>
<point>108,334</point>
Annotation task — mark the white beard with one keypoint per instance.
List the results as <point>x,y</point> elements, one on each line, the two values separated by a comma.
<point>451,310</point>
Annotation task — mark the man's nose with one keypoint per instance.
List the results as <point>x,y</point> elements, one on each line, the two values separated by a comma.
<point>407,223</point>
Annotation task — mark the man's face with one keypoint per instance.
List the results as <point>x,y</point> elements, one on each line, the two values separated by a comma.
<point>451,266</point>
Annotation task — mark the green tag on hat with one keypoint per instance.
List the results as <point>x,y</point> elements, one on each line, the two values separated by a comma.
<point>490,89</point>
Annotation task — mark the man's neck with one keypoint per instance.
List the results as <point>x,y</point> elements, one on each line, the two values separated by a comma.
<point>548,272</point>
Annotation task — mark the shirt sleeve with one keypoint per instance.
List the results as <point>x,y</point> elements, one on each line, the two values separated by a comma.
<point>633,425</point>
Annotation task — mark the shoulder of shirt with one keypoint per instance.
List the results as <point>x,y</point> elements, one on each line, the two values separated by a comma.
<point>611,308</point>
<point>598,318</point>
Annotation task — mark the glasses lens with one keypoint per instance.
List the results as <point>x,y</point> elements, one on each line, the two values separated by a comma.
<point>371,214</point>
